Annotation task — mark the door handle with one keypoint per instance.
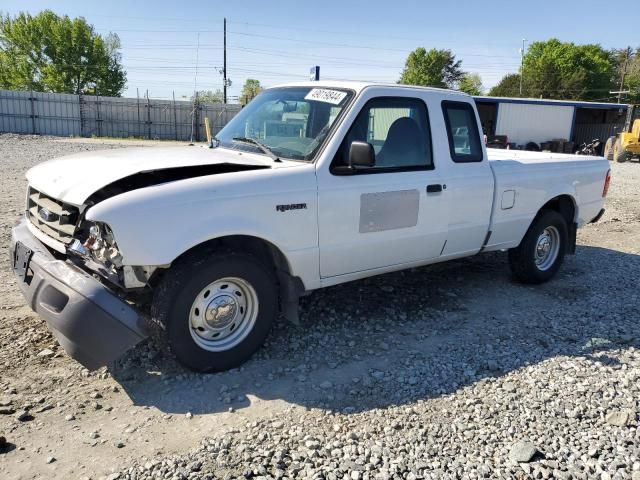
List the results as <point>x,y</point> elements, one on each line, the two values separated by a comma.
<point>434,188</point>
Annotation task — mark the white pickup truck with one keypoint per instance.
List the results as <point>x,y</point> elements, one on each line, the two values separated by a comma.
<point>310,185</point>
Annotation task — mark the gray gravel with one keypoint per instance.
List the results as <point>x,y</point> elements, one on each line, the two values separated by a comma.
<point>452,371</point>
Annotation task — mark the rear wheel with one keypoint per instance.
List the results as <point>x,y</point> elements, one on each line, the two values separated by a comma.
<point>216,309</point>
<point>608,148</point>
<point>542,250</point>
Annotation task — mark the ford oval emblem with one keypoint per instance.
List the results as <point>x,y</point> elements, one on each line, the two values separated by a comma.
<point>45,214</point>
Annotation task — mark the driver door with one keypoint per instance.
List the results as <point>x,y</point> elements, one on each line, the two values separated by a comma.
<point>383,215</point>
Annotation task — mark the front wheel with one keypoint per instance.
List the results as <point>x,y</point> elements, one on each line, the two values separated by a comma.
<point>217,309</point>
<point>619,154</point>
<point>540,254</point>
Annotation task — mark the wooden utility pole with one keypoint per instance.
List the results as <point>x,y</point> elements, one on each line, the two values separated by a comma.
<point>175,117</point>
<point>224,64</point>
<point>627,54</point>
<point>148,116</point>
<point>522,64</point>
<point>139,132</point>
<point>194,113</point>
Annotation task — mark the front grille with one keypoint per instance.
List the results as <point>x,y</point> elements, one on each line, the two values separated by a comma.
<point>53,217</point>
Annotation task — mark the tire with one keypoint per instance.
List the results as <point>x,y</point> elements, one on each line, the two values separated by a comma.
<point>527,261</point>
<point>216,309</point>
<point>608,148</point>
<point>619,154</point>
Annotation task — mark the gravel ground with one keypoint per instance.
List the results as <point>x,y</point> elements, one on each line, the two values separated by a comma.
<point>451,371</point>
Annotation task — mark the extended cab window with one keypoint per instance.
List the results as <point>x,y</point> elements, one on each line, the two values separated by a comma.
<point>398,130</point>
<point>462,130</point>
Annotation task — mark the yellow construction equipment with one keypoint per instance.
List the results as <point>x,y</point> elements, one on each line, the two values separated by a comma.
<point>626,144</point>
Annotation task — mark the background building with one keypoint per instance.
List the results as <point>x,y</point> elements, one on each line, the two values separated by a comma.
<point>525,120</point>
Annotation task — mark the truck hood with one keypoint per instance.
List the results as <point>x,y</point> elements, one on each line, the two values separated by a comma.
<point>74,178</point>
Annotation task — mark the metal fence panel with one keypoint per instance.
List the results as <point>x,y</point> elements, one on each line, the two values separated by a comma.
<point>15,112</point>
<point>219,115</point>
<point>89,115</point>
<point>56,114</point>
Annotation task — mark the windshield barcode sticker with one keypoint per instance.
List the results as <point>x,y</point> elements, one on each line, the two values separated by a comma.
<point>333,97</point>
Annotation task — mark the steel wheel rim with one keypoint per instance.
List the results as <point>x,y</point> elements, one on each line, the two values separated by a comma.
<point>547,248</point>
<point>223,314</point>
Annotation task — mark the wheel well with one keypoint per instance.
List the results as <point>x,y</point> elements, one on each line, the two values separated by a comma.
<point>245,243</point>
<point>564,205</point>
<point>291,287</point>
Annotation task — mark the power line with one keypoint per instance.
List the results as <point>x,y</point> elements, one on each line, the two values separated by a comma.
<point>351,33</point>
<point>271,26</point>
<point>136,30</point>
<point>497,65</point>
<point>190,67</point>
<point>213,46</point>
<point>302,62</point>
<point>190,21</point>
<point>345,45</point>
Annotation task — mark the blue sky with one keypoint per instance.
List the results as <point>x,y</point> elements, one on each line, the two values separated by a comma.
<point>278,41</point>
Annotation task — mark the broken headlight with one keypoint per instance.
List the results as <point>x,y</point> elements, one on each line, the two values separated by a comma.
<point>98,245</point>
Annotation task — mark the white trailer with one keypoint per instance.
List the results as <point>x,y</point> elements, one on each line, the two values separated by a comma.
<point>524,120</point>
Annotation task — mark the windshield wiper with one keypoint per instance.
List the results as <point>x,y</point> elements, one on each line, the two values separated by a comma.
<point>263,148</point>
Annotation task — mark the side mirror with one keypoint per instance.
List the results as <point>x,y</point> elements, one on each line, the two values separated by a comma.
<point>361,154</point>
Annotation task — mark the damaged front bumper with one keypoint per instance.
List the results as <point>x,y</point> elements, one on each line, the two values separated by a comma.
<point>92,324</point>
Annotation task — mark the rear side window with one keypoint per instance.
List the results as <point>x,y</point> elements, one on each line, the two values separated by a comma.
<point>462,130</point>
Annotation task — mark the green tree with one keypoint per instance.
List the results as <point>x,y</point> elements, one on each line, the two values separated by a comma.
<point>564,70</point>
<point>471,83</point>
<point>632,80</point>
<point>250,90</point>
<point>509,86</point>
<point>627,61</point>
<point>433,68</point>
<point>50,53</point>
<point>210,96</point>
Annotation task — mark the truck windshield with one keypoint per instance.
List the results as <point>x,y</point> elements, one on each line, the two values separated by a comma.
<point>291,122</point>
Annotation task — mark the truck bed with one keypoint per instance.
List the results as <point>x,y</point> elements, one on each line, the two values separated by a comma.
<point>523,156</point>
<point>523,180</point>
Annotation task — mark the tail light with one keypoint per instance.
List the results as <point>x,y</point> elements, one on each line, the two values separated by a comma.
<point>607,182</point>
